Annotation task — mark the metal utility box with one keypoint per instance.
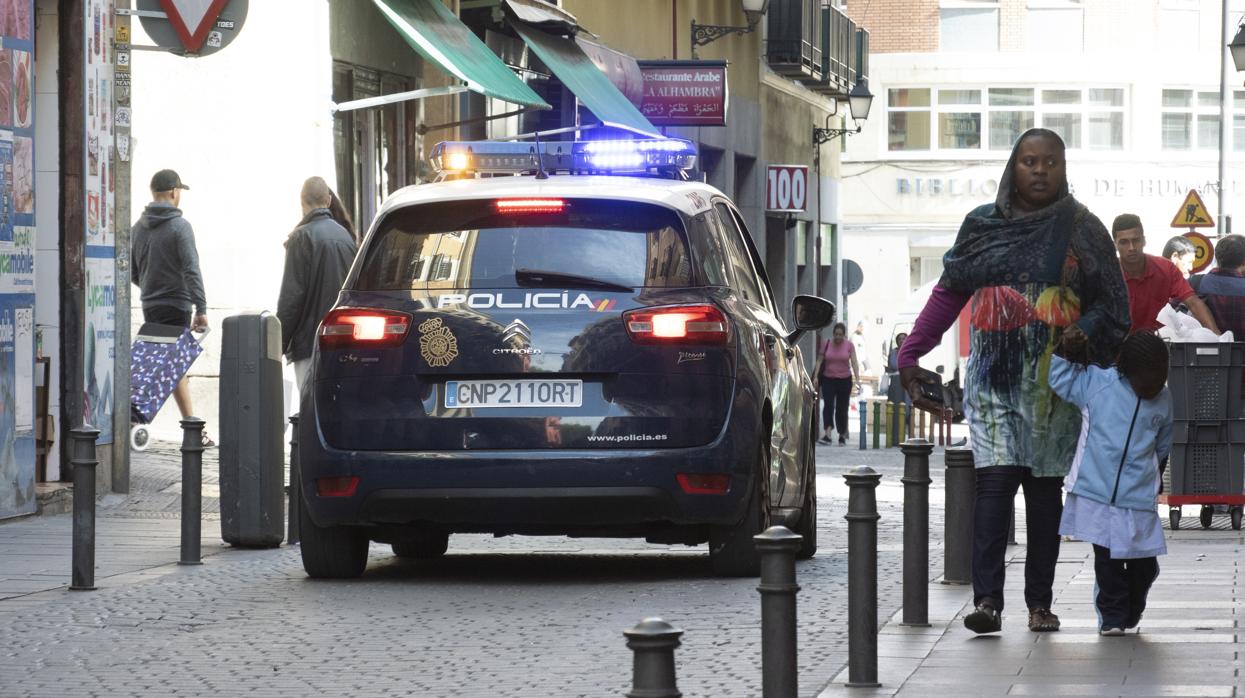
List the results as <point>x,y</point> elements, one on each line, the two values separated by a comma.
<point>252,458</point>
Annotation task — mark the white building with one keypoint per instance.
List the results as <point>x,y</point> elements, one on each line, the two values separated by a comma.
<point>1131,85</point>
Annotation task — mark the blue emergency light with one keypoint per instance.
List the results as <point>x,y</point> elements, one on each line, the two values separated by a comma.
<point>639,156</point>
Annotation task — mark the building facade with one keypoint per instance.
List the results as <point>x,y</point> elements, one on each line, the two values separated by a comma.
<point>1131,85</point>
<point>771,117</point>
<point>59,253</point>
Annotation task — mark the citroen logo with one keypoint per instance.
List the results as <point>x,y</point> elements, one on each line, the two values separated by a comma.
<point>518,333</point>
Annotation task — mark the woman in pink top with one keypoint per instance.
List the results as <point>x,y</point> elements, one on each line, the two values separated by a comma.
<point>837,372</point>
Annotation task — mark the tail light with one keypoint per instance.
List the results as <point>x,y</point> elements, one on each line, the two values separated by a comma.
<point>363,327</point>
<point>677,324</point>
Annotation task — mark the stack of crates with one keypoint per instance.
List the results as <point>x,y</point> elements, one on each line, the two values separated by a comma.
<point>1208,442</point>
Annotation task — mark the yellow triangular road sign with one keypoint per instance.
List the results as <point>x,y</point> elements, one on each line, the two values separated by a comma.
<point>1193,213</point>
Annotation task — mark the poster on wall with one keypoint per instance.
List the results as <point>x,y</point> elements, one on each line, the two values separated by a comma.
<point>99,203</point>
<point>17,259</point>
<point>99,347</point>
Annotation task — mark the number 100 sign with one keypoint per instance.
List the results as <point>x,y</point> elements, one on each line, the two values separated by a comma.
<point>786,188</point>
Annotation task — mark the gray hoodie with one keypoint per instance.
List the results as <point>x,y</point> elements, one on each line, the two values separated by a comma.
<point>164,262</point>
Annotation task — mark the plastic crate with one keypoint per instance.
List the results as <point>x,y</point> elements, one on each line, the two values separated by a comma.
<point>1207,457</point>
<point>1205,380</point>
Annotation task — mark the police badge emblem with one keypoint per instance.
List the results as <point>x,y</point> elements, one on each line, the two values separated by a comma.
<point>436,343</point>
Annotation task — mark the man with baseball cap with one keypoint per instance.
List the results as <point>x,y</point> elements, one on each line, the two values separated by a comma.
<point>165,266</point>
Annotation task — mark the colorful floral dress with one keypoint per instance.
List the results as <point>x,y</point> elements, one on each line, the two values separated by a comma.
<point>1030,279</point>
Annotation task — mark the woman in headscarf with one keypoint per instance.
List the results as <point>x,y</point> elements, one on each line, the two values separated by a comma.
<point>1041,271</point>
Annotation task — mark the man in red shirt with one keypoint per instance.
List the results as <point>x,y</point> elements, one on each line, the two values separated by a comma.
<point>1152,281</point>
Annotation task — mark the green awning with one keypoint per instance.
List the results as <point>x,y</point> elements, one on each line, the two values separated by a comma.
<point>583,78</point>
<point>432,30</point>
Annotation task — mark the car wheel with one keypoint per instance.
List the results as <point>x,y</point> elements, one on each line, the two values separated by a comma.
<point>808,520</point>
<point>330,552</point>
<point>424,545</point>
<point>732,551</point>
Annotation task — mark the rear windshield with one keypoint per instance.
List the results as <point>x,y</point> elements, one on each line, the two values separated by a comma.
<point>469,245</point>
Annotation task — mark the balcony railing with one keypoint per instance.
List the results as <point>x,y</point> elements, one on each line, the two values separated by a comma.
<point>794,45</point>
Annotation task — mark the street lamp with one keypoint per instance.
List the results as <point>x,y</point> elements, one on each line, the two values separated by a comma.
<point>1237,47</point>
<point>703,34</point>
<point>859,102</point>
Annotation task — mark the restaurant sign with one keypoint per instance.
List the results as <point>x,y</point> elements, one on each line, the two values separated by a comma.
<point>684,93</point>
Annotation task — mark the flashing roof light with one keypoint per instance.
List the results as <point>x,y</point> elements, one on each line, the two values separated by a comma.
<point>458,161</point>
<point>638,156</point>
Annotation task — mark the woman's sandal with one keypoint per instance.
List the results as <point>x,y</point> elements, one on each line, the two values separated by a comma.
<point>1041,620</point>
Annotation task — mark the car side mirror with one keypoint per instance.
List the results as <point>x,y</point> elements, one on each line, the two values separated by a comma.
<point>811,313</point>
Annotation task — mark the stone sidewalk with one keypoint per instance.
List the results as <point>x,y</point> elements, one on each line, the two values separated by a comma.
<point>1187,644</point>
<point>134,534</point>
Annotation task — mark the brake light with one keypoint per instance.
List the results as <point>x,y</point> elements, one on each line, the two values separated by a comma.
<point>337,486</point>
<point>530,205</point>
<point>693,483</point>
<point>363,327</point>
<point>680,324</point>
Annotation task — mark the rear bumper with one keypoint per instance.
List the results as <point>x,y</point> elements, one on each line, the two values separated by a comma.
<point>541,492</point>
<point>477,507</point>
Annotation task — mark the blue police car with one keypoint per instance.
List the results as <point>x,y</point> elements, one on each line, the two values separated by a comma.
<point>589,348</point>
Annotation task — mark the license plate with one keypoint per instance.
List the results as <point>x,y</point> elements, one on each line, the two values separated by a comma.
<point>514,393</point>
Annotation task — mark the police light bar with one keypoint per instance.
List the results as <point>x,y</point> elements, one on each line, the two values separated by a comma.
<point>638,156</point>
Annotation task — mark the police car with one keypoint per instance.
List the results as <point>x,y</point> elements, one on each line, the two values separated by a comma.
<point>588,347</point>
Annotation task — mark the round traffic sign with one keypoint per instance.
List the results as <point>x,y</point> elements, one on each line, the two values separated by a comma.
<point>853,277</point>
<point>223,30</point>
<point>1203,251</point>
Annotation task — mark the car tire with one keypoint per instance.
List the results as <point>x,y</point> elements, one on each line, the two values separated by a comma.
<point>424,545</point>
<point>732,551</point>
<point>808,520</point>
<point>331,552</point>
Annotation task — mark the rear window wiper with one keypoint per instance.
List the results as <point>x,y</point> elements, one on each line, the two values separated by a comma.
<point>540,277</point>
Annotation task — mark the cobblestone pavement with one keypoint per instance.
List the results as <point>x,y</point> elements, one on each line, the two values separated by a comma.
<point>496,617</point>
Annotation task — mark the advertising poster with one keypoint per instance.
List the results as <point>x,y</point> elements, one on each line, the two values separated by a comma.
<point>100,347</point>
<point>17,260</point>
<point>99,203</point>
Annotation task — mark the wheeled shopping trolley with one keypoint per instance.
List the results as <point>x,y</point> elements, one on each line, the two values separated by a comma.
<point>1207,465</point>
<point>160,357</point>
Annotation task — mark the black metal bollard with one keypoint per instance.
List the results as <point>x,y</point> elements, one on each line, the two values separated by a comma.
<point>192,490</point>
<point>916,531</point>
<point>864,416</point>
<point>653,642</point>
<point>862,577</point>
<point>296,483</point>
<point>779,668</point>
<point>961,494</point>
<point>82,577</point>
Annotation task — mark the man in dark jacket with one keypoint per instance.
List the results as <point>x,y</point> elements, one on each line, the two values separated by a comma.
<point>318,255</point>
<point>165,265</point>
<point>1223,288</point>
